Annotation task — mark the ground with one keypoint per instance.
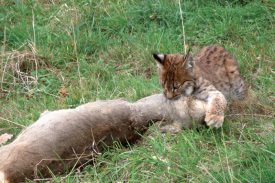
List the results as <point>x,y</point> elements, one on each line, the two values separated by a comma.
<point>60,54</point>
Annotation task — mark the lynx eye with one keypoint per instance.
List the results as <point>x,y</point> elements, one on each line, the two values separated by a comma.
<point>175,87</point>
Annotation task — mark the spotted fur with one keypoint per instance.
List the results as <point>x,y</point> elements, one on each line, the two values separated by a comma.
<point>213,76</point>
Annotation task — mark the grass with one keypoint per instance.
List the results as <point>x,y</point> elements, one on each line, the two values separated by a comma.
<point>89,50</point>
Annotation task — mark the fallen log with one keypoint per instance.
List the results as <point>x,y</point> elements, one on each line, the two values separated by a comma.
<point>62,139</point>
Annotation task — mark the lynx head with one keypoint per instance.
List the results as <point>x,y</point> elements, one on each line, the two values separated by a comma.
<point>175,74</point>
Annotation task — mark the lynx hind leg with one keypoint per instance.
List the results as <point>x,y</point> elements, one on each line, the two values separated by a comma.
<point>239,90</point>
<point>214,116</point>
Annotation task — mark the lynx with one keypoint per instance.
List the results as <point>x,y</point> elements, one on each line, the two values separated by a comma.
<point>212,76</point>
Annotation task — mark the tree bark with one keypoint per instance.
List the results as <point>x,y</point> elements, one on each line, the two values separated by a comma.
<point>62,139</point>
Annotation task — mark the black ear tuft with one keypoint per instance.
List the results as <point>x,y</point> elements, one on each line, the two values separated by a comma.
<point>189,62</point>
<point>159,57</point>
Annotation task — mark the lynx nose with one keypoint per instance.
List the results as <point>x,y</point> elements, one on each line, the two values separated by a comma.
<point>169,95</point>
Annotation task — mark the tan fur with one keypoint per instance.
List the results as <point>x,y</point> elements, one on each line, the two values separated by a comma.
<point>222,70</point>
<point>213,76</point>
<point>67,138</point>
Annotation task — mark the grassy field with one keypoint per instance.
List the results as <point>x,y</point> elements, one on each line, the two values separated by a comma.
<point>60,54</point>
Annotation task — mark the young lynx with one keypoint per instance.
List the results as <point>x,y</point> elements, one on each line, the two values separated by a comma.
<point>213,76</point>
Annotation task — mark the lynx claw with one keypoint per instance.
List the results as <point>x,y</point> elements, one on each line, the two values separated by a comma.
<point>214,121</point>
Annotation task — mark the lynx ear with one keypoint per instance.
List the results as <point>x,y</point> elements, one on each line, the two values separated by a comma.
<point>159,58</point>
<point>189,62</point>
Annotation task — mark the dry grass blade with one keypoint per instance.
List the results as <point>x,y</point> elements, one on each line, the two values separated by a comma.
<point>11,122</point>
<point>183,30</point>
<point>19,67</point>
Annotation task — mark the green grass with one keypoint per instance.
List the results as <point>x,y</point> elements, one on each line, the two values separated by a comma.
<point>102,50</point>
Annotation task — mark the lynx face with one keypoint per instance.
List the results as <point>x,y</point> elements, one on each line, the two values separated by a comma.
<point>175,74</point>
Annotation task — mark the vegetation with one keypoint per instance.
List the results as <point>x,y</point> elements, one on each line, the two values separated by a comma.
<point>60,54</point>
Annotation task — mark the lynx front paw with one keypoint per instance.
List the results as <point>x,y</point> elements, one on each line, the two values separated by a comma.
<point>214,120</point>
<point>215,114</point>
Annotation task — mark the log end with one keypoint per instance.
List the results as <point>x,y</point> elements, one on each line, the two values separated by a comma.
<point>3,178</point>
